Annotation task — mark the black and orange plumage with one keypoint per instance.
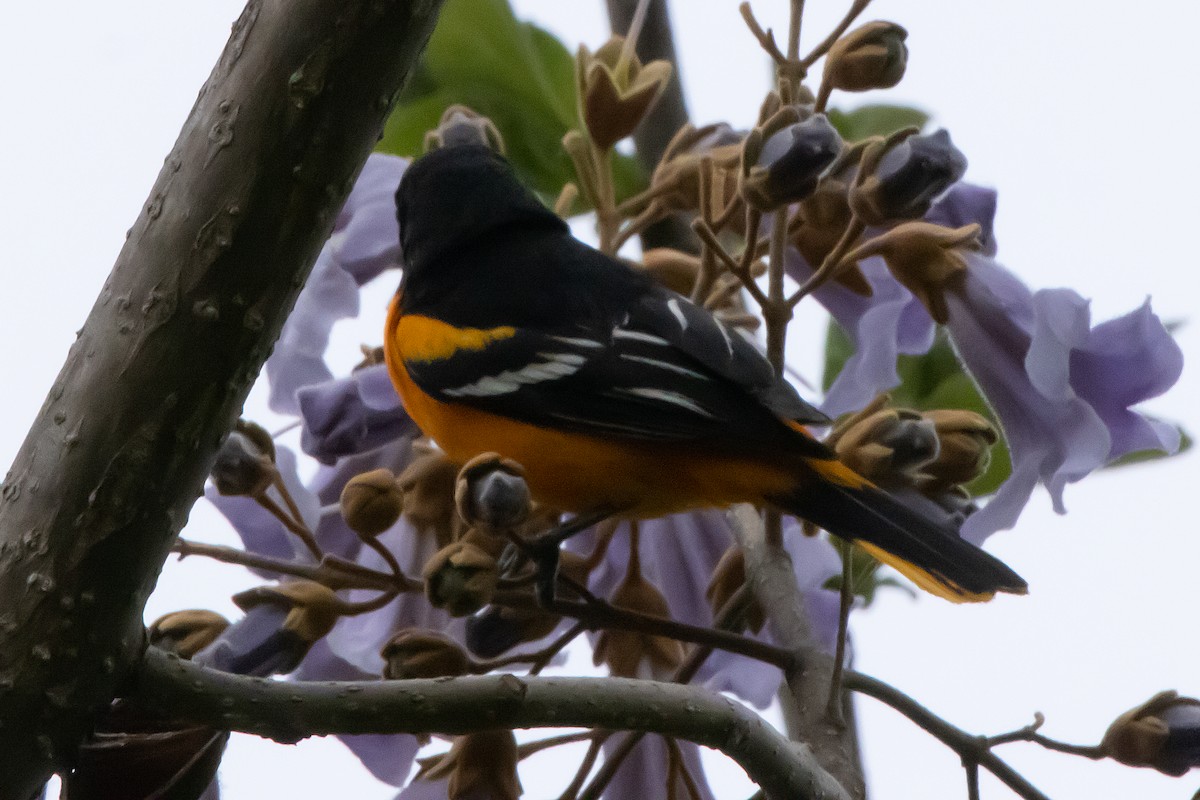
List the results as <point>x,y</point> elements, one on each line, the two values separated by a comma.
<point>511,336</point>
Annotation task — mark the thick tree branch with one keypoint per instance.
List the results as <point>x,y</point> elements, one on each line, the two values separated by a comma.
<point>291,711</point>
<point>160,369</point>
<point>769,573</point>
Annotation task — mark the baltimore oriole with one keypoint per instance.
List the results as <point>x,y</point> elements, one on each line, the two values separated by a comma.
<point>509,335</point>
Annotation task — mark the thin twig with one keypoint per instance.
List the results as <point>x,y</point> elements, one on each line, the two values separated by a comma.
<point>834,708</point>
<point>538,658</point>
<point>328,572</point>
<point>710,240</point>
<point>296,526</point>
<point>968,747</point>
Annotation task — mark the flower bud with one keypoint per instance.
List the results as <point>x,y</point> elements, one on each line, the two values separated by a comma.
<point>414,653</point>
<point>460,126</point>
<point>428,487</point>
<point>625,652</point>
<point>1163,733</point>
<point>281,624</point>
<point>313,608</point>
<point>245,463</point>
<point>461,578</point>
<point>497,629</point>
<point>480,766</point>
<point>371,502</point>
<point>617,94</point>
<point>926,259</point>
<point>872,56</point>
<point>186,633</point>
<point>889,447</point>
<point>728,576</point>
<point>790,162</point>
<point>966,440</point>
<point>672,268</point>
<point>675,182</point>
<point>902,182</point>
<point>491,493</point>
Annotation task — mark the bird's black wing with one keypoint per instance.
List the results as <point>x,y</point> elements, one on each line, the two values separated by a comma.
<point>662,370</point>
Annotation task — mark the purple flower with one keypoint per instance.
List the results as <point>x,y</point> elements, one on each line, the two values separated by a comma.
<point>1061,389</point>
<point>348,416</point>
<point>365,242</point>
<point>890,322</point>
<point>644,772</point>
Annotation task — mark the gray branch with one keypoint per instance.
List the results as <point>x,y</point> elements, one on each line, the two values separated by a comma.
<point>160,369</point>
<point>769,573</point>
<point>291,711</point>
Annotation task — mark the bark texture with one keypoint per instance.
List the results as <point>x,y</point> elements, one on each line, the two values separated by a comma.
<point>161,367</point>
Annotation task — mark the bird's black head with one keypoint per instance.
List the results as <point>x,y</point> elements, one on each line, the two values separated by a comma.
<point>453,196</point>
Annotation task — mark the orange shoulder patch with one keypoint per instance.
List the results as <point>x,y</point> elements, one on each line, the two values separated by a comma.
<point>418,338</point>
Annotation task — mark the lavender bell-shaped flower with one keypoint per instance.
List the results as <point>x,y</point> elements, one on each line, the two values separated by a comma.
<point>365,242</point>
<point>1061,389</point>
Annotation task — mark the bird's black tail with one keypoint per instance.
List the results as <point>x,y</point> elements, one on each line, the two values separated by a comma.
<point>928,552</point>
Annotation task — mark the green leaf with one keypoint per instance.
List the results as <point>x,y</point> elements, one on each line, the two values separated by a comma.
<point>875,120</point>
<point>512,72</point>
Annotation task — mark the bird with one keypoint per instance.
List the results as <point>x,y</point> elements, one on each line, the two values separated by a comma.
<point>616,395</point>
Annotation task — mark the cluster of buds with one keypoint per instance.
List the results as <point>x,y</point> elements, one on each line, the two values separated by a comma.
<point>491,500</point>
<point>935,452</point>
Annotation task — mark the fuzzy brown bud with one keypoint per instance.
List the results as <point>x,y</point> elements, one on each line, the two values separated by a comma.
<point>902,177</point>
<point>926,259</point>
<point>460,126</point>
<point>479,765</point>
<point>313,608</point>
<point>966,440</point>
<point>890,447</point>
<point>371,502</point>
<point>676,182</point>
<point>872,56</point>
<point>491,493</point>
<point>625,652</point>
<point>728,576</point>
<point>1162,734</point>
<point>461,578</point>
<point>617,91</point>
<point>245,462</point>
<point>789,162</point>
<point>498,629</point>
<point>428,487</point>
<point>414,653</point>
<point>186,633</point>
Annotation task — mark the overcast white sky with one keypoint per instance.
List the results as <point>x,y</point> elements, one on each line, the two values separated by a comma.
<point>1085,122</point>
